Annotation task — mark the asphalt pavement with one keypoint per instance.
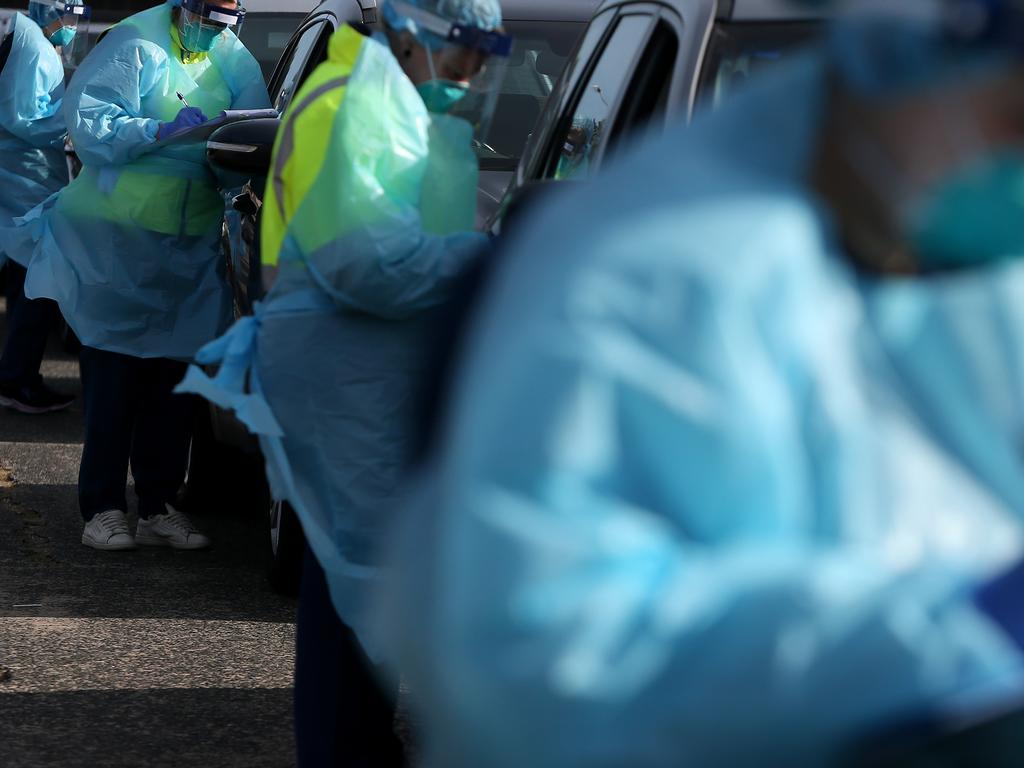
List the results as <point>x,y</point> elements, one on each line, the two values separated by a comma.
<point>145,658</point>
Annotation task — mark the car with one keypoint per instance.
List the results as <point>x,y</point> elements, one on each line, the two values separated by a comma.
<point>546,32</point>
<point>641,65</point>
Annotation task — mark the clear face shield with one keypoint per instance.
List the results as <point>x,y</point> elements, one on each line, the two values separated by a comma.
<point>66,25</point>
<point>201,24</point>
<point>467,64</point>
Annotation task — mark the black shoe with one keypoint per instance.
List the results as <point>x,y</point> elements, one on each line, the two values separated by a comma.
<point>34,398</point>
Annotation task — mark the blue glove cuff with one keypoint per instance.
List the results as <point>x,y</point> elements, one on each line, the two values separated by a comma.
<point>1003,600</point>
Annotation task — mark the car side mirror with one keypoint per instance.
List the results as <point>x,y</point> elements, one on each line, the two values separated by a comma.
<point>243,147</point>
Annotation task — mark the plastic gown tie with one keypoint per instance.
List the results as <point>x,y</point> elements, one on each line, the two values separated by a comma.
<point>234,352</point>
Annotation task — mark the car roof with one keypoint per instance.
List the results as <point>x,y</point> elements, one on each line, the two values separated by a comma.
<point>549,10</point>
<point>512,10</point>
<point>769,10</point>
<point>280,6</point>
<point>738,10</point>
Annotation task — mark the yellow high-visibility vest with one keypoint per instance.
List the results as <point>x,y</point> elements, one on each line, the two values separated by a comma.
<point>300,148</point>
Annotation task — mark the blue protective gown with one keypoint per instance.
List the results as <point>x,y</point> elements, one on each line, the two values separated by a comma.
<point>32,129</point>
<point>336,353</point>
<point>708,497</point>
<point>131,248</point>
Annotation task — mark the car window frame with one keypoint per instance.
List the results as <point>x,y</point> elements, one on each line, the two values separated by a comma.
<point>695,28</point>
<point>284,64</point>
<point>553,147</point>
<point>318,53</point>
<point>625,123</point>
<point>550,118</point>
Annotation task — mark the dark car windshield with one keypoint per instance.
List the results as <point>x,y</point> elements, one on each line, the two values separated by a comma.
<point>266,35</point>
<point>738,51</point>
<point>538,58</point>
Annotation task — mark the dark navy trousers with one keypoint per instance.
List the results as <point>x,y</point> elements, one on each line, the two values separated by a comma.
<point>343,717</point>
<point>29,322</point>
<point>132,417</point>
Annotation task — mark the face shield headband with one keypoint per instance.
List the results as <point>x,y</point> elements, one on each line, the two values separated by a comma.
<point>70,15</point>
<point>202,23</point>
<point>490,43</point>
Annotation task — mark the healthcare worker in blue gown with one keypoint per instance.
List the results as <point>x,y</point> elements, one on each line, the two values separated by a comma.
<point>32,167</point>
<point>130,252</point>
<point>368,219</point>
<point>734,474</point>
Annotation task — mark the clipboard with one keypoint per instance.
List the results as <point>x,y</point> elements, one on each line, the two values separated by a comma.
<point>201,133</point>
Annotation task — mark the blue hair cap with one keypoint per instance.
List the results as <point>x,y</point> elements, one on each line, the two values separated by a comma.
<point>893,48</point>
<point>481,14</point>
<point>43,14</point>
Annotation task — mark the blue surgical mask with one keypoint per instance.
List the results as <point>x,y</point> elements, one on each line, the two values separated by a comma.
<point>198,38</point>
<point>63,36</point>
<point>441,96</point>
<point>974,216</point>
<point>206,39</point>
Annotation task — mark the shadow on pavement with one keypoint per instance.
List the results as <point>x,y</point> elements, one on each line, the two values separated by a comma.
<point>153,657</point>
<point>42,561</point>
<point>158,727</point>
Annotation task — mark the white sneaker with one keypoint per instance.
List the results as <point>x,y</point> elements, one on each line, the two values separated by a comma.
<point>172,529</point>
<point>108,530</point>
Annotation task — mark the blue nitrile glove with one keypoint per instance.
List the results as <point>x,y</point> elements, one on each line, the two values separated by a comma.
<point>1003,600</point>
<point>188,117</point>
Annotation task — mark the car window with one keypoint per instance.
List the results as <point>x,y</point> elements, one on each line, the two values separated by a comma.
<point>737,51</point>
<point>538,57</point>
<point>535,150</point>
<point>266,35</point>
<point>295,67</point>
<point>582,137</point>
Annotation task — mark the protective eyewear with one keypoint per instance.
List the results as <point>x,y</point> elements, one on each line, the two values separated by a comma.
<point>489,43</point>
<point>71,11</point>
<point>69,14</point>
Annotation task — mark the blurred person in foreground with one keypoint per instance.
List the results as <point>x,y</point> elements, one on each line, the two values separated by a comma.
<point>736,479</point>
<point>368,221</point>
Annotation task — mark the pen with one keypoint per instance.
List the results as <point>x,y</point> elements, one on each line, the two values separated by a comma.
<point>182,98</point>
